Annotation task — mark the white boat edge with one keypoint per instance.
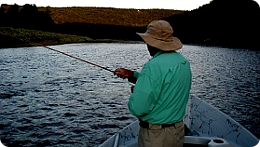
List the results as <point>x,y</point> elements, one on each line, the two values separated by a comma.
<point>208,125</point>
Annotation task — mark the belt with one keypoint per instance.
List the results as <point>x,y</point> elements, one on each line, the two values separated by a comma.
<point>145,124</point>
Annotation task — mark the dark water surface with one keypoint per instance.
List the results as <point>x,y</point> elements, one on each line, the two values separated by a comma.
<point>48,99</point>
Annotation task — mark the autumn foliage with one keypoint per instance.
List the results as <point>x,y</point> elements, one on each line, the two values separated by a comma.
<point>107,16</point>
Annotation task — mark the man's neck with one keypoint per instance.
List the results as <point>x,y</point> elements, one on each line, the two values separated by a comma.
<point>152,50</point>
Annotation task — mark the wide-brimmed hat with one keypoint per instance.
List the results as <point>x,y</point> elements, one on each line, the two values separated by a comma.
<point>159,35</point>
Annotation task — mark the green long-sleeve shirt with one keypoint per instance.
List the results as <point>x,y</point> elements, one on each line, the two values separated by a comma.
<point>162,89</point>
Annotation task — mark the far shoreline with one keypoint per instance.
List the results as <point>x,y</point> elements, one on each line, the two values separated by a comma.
<point>20,37</point>
<point>52,43</point>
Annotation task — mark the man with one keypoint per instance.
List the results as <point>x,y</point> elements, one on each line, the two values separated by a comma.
<point>162,88</point>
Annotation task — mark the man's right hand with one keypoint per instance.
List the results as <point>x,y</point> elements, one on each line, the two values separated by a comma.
<point>124,73</point>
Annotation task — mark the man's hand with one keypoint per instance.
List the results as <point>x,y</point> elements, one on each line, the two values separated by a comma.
<point>124,73</point>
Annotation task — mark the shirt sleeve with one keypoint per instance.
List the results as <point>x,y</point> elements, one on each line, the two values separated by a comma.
<point>145,95</point>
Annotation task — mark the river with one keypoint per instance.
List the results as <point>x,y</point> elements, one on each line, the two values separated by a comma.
<point>48,99</point>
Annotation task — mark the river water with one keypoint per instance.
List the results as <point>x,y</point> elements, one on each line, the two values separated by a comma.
<point>48,99</point>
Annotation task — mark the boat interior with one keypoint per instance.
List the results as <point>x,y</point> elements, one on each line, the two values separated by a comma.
<point>191,141</point>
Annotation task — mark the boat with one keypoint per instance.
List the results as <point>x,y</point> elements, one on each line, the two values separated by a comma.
<point>205,126</point>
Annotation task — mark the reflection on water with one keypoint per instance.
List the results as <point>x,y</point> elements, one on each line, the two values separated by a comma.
<point>48,99</point>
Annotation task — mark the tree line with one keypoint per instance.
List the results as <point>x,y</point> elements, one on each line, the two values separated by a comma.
<point>26,17</point>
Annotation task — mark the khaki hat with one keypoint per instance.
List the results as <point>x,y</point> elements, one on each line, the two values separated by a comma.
<point>159,35</point>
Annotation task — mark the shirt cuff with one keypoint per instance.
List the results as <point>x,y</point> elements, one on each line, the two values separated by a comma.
<point>134,78</point>
<point>136,74</point>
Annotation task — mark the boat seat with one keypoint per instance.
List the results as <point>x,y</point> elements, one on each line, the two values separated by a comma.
<point>191,141</point>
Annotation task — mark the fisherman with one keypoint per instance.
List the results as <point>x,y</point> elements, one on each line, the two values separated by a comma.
<point>161,90</point>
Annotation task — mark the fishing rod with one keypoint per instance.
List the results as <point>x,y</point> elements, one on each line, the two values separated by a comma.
<point>77,58</point>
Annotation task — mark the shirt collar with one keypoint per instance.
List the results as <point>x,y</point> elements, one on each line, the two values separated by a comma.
<point>157,54</point>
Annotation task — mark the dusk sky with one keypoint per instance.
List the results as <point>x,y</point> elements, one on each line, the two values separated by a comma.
<point>138,4</point>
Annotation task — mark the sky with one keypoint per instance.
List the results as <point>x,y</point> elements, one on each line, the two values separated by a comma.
<point>137,4</point>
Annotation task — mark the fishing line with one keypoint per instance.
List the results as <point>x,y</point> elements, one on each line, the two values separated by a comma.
<point>36,44</point>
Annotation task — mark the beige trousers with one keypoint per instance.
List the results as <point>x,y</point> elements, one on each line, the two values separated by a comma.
<point>156,136</point>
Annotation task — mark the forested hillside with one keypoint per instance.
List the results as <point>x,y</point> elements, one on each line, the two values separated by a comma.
<point>228,23</point>
<point>95,15</point>
<point>94,22</point>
